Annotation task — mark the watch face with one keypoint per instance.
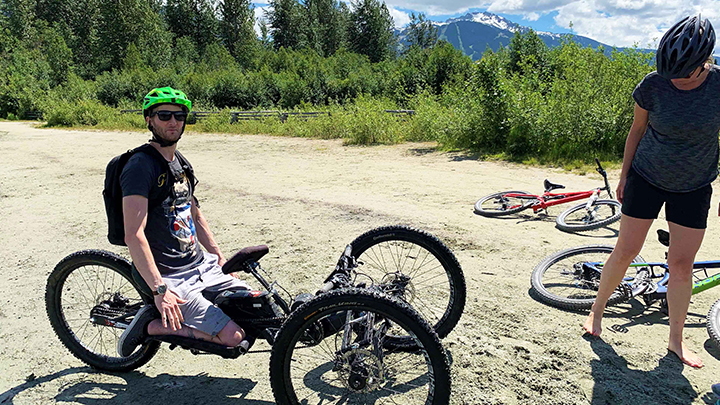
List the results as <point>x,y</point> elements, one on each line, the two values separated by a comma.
<point>161,289</point>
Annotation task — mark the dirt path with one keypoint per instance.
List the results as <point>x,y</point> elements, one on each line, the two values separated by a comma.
<point>306,199</point>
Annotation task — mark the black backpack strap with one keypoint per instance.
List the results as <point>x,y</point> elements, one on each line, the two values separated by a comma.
<point>190,173</point>
<point>187,167</point>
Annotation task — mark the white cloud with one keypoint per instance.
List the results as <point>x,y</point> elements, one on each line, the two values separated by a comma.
<point>625,22</point>
<point>259,17</point>
<point>400,18</point>
<point>614,22</point>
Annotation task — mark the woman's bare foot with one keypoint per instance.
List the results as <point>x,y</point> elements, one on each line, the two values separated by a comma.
<point>685,355</point>
<point>592,325</point>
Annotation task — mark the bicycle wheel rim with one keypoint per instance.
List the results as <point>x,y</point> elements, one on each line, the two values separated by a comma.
<point>322,373</point>
<point>499,204</point>
<point>602,213</point>
<point>81,290</point>
<point>563,281</point>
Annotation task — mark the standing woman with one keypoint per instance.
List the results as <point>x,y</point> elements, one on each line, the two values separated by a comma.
<point>671,157</point>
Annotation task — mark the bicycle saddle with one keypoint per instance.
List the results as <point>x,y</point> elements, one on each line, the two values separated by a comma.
<point>241,260</point>
<point>664,237</point>
<point>552,186</point>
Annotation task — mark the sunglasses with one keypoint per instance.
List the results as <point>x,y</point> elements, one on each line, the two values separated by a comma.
<point>165,115</point>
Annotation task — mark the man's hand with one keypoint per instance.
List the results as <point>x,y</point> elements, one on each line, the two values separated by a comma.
<point>169,309</point>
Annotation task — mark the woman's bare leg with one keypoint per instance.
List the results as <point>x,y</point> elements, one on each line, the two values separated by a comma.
<point>684,244</point>
<point>632,236</point>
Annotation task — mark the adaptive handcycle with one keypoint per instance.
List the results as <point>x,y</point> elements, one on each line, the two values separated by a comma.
<point>570,279</point>
<point>370,334</point>
<point>592,214</point>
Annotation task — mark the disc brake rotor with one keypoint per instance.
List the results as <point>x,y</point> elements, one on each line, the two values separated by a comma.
<point>360,370</point>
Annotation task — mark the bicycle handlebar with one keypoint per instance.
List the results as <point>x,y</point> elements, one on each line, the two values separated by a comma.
<point>603,173</point>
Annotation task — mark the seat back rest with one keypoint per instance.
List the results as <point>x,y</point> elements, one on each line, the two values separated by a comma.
<point>549,186</point>
<point>245,256</point>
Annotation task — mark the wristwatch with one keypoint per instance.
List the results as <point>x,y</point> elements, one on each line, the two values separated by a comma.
<point>160,290</point>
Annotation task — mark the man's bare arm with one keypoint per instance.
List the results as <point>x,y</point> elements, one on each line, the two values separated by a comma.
<point>135,216</point>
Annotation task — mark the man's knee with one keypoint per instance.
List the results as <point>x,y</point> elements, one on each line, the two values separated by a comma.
<point>231,334</point>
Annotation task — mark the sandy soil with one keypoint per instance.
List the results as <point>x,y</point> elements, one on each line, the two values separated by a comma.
<point>306,199</point>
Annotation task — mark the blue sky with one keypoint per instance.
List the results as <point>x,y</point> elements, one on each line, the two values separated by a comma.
<point>613,22</point>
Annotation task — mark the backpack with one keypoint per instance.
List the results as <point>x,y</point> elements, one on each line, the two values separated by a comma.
<point>112,192</point>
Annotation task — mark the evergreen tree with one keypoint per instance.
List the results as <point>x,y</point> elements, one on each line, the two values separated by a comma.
<point>327,26</point>
<point>421,32</point>
<point>123,22</point>
<point>286,19</point>
<point>192,18</point>
<point>78,22</point>
<point>237,30</point>
<point>371,30</point>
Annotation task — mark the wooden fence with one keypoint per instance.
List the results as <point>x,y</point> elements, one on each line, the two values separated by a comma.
<point>283,116</point>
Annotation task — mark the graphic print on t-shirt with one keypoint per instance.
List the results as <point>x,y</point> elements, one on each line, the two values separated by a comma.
<point>177,209</point>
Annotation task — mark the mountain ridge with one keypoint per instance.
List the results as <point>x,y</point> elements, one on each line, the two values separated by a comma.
<point>474,32</point>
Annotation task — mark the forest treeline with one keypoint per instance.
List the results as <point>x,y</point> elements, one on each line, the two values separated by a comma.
<point>80,61</point>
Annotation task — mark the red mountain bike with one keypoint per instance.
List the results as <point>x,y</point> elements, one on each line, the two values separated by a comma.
<point>592,214</point>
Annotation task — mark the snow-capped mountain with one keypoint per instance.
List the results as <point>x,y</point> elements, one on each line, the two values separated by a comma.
<point>486,18</point>
<point>475,32</point>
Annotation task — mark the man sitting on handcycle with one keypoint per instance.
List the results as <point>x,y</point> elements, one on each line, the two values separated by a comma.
<point>163,225</point>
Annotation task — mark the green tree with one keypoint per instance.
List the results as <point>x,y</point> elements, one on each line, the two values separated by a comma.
<point>237,30</point>
<point>19,15</point>
<point>192,18</point>
<point>57,53</point>
<point>371,30</point>
<point>285,18</point>
<point>421,32</point>
<point>327,25</point>
<point>123,22</point>
<point>527,48</point>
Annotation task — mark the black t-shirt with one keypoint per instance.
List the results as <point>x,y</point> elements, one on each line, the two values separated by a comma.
<point>170,229</point>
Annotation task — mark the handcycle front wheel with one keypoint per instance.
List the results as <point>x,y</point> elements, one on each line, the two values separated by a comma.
<point>416,267</point>
<point>499,204</point>
<point>86,291</point>
<point>713,323</point>
<point>570,278</point>
<point>349,363</point>
<point>579,218</point>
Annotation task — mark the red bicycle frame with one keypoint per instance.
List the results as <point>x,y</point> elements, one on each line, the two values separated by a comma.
<point>548,199</point>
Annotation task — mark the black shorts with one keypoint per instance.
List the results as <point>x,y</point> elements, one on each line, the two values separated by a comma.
<point>643,200</point>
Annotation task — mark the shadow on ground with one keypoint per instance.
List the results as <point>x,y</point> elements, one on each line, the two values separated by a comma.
<point>139,388</point>
<point>614,379</point>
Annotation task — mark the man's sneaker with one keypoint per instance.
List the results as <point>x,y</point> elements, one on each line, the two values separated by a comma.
<point>135,333</point>
<point>716,391</point>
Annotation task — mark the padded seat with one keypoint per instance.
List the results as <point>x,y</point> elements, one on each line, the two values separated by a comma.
<point>245,256</point>
<point>549,186</point>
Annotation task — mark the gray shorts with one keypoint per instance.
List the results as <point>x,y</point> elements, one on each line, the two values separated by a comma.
<point>200,286</point>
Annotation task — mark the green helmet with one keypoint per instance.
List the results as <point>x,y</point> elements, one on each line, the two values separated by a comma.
<point>165,95</point>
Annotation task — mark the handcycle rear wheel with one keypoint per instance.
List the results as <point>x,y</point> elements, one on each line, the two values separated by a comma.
<point>562,281</point>
<point>498,204</point>
<point>416,267</point>
<point>350,363</point>
<point>85,287</point>
<point>713,323</point>
<point>578,218</point>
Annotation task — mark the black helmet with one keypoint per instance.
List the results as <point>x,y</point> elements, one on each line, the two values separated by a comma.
<point>685,46</point>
